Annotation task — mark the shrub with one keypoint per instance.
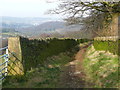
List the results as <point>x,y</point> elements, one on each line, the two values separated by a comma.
<point>111,46</point>
<point>83,40</point>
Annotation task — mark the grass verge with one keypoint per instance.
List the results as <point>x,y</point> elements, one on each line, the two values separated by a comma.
<point>101,68</point>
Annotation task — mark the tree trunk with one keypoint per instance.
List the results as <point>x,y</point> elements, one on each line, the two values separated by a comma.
<point>112,28</point>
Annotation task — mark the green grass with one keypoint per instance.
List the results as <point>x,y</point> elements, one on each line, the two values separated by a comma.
<point>46,76</point>
<point>102,70</point>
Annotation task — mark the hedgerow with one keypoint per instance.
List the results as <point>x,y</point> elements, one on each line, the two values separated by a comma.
<point>111,46</point>
<point>35,52</point>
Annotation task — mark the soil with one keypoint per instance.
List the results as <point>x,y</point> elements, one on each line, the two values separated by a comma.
<point>73,75</point>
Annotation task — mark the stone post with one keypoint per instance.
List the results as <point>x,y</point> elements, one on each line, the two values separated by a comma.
<point>15,61</point>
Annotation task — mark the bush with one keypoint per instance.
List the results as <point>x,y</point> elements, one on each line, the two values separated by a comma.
<point>111,46</point>
<point>83,40</point>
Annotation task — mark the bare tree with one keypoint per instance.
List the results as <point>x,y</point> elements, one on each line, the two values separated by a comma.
<point>96,16</point>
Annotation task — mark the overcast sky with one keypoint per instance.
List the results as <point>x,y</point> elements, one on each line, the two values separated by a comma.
<point>27,8</point>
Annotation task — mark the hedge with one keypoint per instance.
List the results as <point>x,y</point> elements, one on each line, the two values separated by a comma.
<point>35,52</point>
<point>111,46</point>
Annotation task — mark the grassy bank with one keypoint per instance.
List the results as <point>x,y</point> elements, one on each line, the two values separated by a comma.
<point>101,68</point>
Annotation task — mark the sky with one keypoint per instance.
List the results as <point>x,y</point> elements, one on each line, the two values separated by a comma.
<point>27,8</point>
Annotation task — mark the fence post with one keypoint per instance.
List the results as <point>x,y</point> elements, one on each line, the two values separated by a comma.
<point>6,60</point>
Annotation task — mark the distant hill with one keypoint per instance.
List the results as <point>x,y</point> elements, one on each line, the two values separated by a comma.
<point>7,30</point>
<point>37,27</point>
<point>49,27</point>
<point>15,25</point>
<point>25,20</point>
<point>53,25</point>
<point>71,34</point>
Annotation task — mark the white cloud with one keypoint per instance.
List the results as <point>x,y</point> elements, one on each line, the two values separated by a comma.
<point>51,1</point>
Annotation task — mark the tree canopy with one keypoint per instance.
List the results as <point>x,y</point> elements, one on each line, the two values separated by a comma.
<point>94,14</point>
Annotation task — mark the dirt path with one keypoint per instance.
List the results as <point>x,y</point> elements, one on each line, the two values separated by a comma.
<point>73,75</point>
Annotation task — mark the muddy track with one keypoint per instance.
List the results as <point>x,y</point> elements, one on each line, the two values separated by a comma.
<point>73,75</point>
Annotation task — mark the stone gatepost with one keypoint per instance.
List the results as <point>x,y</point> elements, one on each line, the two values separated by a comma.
<point>15,66</point>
